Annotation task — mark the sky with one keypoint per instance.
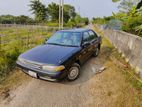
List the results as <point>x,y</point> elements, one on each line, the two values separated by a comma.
<point>87,8</point>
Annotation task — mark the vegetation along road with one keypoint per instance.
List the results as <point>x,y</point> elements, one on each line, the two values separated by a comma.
<point>111,87</point>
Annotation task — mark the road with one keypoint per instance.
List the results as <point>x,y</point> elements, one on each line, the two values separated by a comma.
<point>39,93</point>
<point>109,88</point>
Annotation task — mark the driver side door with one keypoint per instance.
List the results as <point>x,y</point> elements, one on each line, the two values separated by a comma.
<point>85,53</point>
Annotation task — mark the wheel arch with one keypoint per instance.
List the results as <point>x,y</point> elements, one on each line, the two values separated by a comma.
<point>78,62</point>
<point>99,46</point>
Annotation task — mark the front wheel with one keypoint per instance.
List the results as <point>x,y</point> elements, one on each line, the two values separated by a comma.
<point>73,72</point>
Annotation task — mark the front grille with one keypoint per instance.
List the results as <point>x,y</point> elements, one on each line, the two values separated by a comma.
<point>31,64</point>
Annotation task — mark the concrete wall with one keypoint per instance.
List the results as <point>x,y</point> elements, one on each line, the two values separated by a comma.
<point>129,45</point>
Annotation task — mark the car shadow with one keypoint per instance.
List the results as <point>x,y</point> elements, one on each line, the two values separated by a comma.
<point>88,69</point>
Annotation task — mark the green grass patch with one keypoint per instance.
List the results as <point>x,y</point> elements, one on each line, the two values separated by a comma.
<point>14,41</point>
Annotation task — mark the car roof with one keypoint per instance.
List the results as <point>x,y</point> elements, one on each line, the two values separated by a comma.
<point>76,30</point>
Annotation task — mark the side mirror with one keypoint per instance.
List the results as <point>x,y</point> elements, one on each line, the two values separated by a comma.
<point>45,40</point>
<point>85,44</point>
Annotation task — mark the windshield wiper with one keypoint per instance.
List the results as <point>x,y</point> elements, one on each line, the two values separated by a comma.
<point>53,43</point>
<point>62,45</point>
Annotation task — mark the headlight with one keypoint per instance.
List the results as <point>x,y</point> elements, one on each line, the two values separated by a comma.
<point>20,59</point>
<point>53,68</point>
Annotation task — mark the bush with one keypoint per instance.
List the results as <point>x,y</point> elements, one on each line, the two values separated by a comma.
<point>131,23</point>
<point>7,61</point>
<point>18,42</point>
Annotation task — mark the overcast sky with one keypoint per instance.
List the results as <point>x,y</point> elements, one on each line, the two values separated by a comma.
<point>88,8</point>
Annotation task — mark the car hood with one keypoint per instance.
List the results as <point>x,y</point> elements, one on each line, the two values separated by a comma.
<point>49,54</point>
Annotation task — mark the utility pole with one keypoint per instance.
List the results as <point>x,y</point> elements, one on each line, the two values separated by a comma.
<point>62,26</point>
<point>61,14</point>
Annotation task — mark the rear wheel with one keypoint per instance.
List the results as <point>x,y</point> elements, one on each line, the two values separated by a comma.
<point>73,72</point>
<point>96,53</point>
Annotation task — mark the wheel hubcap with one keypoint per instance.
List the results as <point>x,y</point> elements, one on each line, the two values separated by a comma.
<point>73,73</point>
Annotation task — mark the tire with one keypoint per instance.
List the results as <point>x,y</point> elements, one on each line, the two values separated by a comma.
<point>73,72</point>
<point>96,53</point>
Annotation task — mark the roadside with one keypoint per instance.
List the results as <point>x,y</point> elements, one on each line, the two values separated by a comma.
<point>14,80</point>
<point>113,87</point>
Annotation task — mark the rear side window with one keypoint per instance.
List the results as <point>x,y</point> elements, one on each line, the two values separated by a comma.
<point>93,35</point>
<point>86,37</point>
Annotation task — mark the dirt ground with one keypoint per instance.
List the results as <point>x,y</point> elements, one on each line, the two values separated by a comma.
<point>41,93</point>
<point>109,88</point>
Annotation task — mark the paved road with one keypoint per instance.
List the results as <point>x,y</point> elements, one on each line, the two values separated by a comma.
<point>39,93</point>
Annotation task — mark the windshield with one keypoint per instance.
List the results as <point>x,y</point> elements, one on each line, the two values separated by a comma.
<point>65,38</point>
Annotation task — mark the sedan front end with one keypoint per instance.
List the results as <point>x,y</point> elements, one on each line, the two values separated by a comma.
<point>40,70</point>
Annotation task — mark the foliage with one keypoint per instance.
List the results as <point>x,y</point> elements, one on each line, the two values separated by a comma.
<point>127,5</point>
<point>12,45</point>
<point>99,20</point>
<point>53,11</point>
<point>39,10</point>
<point>71,18</point>
<point>129,18</point>
<point>47,15</point>
<point>70,10</point>
<point>139,5</point>
<point>139,30</point>
<point>103,20</point>
<point>78,21</point>
<point>7,61</point>
<point>85,20</point>
<point>115,0</point>
<point>9,19</point>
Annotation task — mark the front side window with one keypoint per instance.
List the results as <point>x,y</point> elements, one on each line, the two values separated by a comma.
<point>93,35</point>
<point>86,37</point>
<point>65,38</point>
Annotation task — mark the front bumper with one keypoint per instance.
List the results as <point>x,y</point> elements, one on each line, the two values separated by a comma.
<point>45,75</point>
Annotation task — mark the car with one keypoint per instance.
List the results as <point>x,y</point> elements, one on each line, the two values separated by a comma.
<point>62,55</point>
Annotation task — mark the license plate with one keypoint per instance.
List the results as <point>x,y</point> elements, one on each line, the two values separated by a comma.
<point>33,74</point>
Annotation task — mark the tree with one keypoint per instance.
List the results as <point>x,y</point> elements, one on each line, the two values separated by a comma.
<point>139,5</point>
<point>78,19</point>
<point>85,20</point>
<point>115,0</point>
<point>53,11</point>
<point>69,13</point>
<point>126,5</point>
<point>70,10</point>
<point>9,19</point>
<point>23,20</point>
<point>39,10</point>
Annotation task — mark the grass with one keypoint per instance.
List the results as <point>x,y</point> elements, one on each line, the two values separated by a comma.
<point>14,41</point>
<point>115,87</point>
<point>13,80</point>
<point>24,35</point>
